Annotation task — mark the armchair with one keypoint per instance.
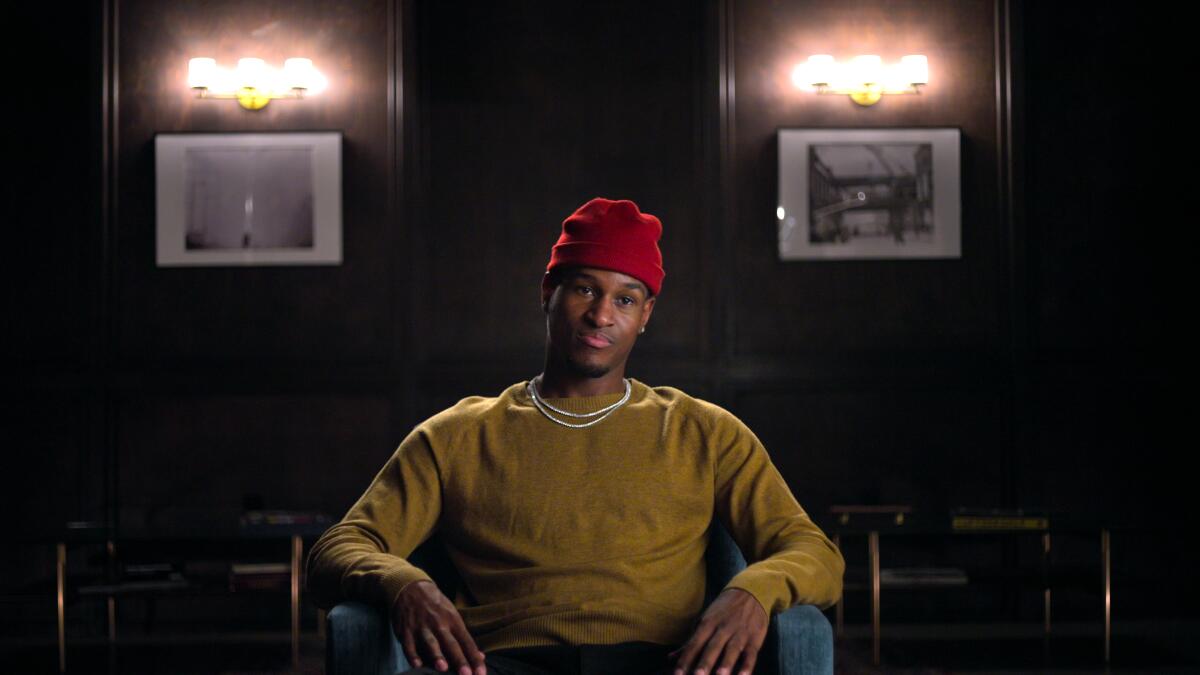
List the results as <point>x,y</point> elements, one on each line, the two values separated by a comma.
<point>360,639</point>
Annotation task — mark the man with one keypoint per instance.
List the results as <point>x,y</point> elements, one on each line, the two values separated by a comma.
<point>576,506</point>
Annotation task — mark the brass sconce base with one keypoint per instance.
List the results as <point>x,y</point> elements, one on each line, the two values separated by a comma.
<point>868,95</point>
<point>251,98</point>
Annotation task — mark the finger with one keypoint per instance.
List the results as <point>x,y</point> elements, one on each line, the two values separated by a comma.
<point>729,658</point>
<point>410,648</point>
<point>687,653</point>
<point>712,651</point>
<point>453,651</point>
<point>748,659</point>
<point>433,648</point>
<point>474,654</point>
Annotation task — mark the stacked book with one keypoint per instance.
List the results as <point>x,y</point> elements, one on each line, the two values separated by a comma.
<point>140,578</point>
<point>988,520</point>
<point>259,576</point>
<point>281,523</point>
<point>922,576</point>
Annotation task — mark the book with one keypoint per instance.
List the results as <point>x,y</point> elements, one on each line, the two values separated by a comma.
<point>275,523</point>
<point>922,576</point>
<point>964,519</point>
<point>259,576</point>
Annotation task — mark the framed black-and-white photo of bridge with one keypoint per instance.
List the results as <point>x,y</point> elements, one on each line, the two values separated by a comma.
<point>869,194</point>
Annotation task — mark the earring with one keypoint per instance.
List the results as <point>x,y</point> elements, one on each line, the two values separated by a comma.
<point>641,330</point>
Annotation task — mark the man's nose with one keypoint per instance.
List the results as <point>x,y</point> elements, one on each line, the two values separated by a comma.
<point>600,312</point>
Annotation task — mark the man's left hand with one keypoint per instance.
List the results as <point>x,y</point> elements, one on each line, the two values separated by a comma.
<point>732,628</point>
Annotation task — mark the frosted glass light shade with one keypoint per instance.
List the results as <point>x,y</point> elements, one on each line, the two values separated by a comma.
<point>298,73</point>
<point>252,72</point>
<point>202,73</point>
<point>915,68</point>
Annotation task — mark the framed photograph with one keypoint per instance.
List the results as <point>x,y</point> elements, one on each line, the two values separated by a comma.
<point>248,198</point>
<point>869,194</point>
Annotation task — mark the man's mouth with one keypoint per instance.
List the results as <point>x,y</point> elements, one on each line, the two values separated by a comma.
<point>595,340</point>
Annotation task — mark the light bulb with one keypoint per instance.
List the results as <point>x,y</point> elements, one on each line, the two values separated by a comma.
<point>866,69</point>
<point>820,69</point>
<point>297,73</point>
<point>201,73</point>
<point>252,73</point>
<point>915,68</point>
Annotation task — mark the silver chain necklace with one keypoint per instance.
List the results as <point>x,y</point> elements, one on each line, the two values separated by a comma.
<point>604,412</point>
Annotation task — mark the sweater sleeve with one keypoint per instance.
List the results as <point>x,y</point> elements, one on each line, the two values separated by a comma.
<point>792,561</point>
<point>362,557</point>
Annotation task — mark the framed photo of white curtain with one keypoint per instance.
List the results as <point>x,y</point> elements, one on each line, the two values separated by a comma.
<point>248,198</point>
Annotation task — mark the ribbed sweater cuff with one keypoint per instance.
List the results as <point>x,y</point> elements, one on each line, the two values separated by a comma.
<point>394,580</point>
<point>758,585</point>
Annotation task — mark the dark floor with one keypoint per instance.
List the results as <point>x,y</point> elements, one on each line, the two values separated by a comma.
<point>1166,647</point>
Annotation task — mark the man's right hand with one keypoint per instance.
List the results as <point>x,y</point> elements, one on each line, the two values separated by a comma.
<point>432,631</point>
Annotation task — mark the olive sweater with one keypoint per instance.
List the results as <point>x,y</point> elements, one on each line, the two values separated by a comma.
<point>578,536</point>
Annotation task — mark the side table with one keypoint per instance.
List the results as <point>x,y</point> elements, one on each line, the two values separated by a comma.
<point>113,590</point>
<point>896,521</point>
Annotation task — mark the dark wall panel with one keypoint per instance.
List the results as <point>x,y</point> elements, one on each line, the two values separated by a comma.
<point>928,448</point>
<point>864,307</point>
<point>51,199</point>
<point>1107,449</point>
<point>223,315</point>
<point>52,475</point>
<point>529,111</point>
<point>189,464</point>
<point>1106,288</point>
<point>1108,281</point>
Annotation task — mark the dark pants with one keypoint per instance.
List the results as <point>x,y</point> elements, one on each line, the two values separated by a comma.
<point>627,658</point>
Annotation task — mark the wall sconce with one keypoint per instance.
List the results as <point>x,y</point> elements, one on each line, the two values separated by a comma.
<point>865,78</point>
<point>253,83</point>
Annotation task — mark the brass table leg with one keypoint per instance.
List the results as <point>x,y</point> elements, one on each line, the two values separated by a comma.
<point>60,574</point>
<point>110,548</point>
<point>873,544</point>
<point>840,608</point>
<point>1046,588</point>
<point>1106,557</point>
<point>297,552</point>
<point>1046,595</point>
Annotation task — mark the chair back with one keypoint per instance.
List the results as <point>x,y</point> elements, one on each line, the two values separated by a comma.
<point>723,557</point>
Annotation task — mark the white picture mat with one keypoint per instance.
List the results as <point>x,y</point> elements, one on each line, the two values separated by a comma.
<point>794,243</point>
<point>171,189</point>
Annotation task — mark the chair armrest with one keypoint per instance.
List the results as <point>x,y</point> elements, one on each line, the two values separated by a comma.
<point>359,641</point>
<point>803,641</point>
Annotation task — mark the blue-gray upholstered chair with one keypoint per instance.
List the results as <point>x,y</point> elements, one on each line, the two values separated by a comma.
<point>360,639</point>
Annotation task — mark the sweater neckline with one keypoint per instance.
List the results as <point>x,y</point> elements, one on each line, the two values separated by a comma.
<point>581,404</point>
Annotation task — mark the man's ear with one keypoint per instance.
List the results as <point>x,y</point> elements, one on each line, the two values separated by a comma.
<point>547,291</point>
<point>648,308</point>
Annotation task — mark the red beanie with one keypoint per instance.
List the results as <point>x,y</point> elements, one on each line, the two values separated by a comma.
<point>613,235</point>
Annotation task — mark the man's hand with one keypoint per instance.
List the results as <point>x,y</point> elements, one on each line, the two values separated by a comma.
<point>423,617</point>
<point>734,626</point>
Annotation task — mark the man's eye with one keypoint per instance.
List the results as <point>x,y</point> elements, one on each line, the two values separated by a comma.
<point>626,300</point>
<point>583,289</point>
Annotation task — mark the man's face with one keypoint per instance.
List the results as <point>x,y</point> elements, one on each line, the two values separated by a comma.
<point>593,317</point>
